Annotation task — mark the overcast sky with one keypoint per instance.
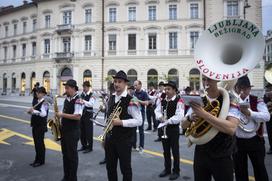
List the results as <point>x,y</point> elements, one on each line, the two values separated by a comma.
<point>267,11</point>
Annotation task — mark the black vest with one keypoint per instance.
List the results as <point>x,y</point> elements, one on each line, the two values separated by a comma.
<point>170,107</point>
<point>37,120</point>
<point>120,132</point>
<point>222,145</point>
<point>69,108</point>
<point>87,97</point>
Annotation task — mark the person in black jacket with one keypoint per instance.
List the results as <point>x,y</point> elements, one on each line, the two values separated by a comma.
<point>118,141</point>
<point>70,130</point>
<point>39,114</point>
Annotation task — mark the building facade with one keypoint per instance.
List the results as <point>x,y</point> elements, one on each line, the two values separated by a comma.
<point>50,41</point>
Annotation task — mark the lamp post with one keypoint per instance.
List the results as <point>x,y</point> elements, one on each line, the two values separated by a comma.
<point>102,44</point>
<point>246,5</point>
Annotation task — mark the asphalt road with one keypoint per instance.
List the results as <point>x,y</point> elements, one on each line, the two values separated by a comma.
<point>17,151</point>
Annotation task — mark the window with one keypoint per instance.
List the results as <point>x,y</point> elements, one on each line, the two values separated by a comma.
<point>193,38</point>
<point>112,42</point>
<point>88,15</point>
<point>172,12</point>
<point>194,11</point>
<point>66,44</point>
<point>173,40</point>
<point>151,13</point>
<point>6,31</point>
<point>132,14</point>
<point>152,41</point>
<point>88,43</point>
<point>15,29</point>
<point>112,14</point>
<point>46,46</point>
<point>5,53</point>
<point>34,48</point>
<point>14,51</point>
<point>24,26</point>
<point>67,17</point>
<point>23,50</point>
<point>47,21</point>
<point>34,24</point>
<point>232,8</point>
<point>132,41</point>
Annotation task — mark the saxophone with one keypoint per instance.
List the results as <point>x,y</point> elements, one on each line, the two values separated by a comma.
<point>109,124</point>
<point>54,124</point>
<point>200,126</point>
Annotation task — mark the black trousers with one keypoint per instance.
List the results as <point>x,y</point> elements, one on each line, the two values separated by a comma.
<point>206,167</point>
<point>38,137</point>
<point>150,116</point>
<point>86,130</point>
<point>254,149</point>
<point>269,132</point>
<point>69,143</point>
<point>118,150</point>
<point>171,144</point>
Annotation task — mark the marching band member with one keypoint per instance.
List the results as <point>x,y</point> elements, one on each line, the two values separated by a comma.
<point>39,125</point>
<point>214,159</point>
<point>70,130</point>
<point>118,140</point>
<point>86,125</point>
<point>150,114</point>
<point>268,101</point>
<point>160,97</point>
<point>250,144</point>
<point>173,107</point>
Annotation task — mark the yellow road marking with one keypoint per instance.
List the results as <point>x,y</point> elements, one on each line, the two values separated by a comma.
<point>57,147</point>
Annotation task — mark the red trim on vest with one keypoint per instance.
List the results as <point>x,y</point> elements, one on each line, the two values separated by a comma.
<point>253,106</point>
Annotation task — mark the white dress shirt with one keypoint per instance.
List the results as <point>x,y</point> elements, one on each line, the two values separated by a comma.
<point>43,111</point>
<point>178,114</point>
<point>91,101</point>
<point>133,110</point>
<point>262,115</point>
<point>78,107</point>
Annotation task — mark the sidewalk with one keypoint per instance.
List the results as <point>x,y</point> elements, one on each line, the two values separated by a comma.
<point>13,98</point>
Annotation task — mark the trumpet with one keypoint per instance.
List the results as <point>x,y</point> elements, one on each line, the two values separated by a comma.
<point>164,136</point>
<point>109,124</point>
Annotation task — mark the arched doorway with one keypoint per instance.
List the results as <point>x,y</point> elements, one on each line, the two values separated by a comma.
<point>65,75</point>
<point>173,76</point>
<point>5,83</point>
<point>13,82</point>
<point>32,80</point>
<point>132,76</point>
<point>87,76</point>
<point>194,78</point>
<point>152,76</point>
<point>23,83</point>
<point>111,73</point>
<point>46,81</point>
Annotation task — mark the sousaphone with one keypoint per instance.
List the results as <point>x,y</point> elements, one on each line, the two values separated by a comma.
<point>227,50</point>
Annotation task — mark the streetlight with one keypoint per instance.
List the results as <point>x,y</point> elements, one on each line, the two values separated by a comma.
<point>246,5</point>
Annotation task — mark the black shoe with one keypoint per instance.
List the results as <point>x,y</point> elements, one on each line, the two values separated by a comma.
<point>155,129</point>
<point>37,164</point>
<point>164,173</point>
<point>88,150</point>
<point>157,140</point>
<point>148,129</point>
<point>102,162</point>
<point>174,176</point>
<point>269,152</point>
<point>82,148</point>
<point>31,164</point>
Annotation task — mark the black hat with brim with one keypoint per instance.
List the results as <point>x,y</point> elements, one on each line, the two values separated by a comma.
<point>71,83</point>
<point>121,75</point>
<point>268,85</point>
<point>86,83</point>
<point>41,90</point>
<point>171,84</point>
<point>161,83</point>
<point>243,82</point>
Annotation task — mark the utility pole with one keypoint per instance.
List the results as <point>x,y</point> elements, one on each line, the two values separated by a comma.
<point>102,44</point>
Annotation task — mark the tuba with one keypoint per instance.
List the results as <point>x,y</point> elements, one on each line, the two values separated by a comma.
<point>109,124</point>
<point>226,51</point>
<point>54,124</point>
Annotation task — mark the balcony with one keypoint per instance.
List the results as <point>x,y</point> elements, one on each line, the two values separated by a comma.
<point>63,57</point>
<point>65,28</point>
